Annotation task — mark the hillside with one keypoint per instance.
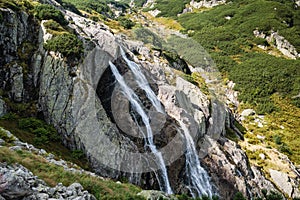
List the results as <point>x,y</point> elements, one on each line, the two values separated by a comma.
<point>255,44</point>
<point>185,100</point>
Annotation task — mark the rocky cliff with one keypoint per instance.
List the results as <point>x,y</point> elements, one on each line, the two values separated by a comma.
<point>82,99</point>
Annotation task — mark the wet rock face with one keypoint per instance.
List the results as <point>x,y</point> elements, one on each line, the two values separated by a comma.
<point>18,35</point>
<point>129,123</point>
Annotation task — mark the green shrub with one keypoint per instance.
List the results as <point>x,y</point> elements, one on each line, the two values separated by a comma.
<point>277,139</point>
<point>126,22</point>
<point>46,11</point>
<point>182,197</point>
<point>99,6</point>
<point>140,3</point>
<point>30,124</point>
<point>71,7</point>
<point>148,37</point>
<point>78,154</point>
<point>274,196</point>
<point>67,44</point>
<point>9,116</point>
<point>261,41</point>
<point>284,148</point>
<point>239,196</point>
<point>43,133</point>
<point>230,134</point>
<point>53,25</point>
<point>4,136</point>
<point>9,4</point>
<point>170,8</point>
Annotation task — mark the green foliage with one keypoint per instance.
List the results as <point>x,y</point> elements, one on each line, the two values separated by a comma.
<point>274,196</point>
<point>11,122</point>
<point>277,139</point>
<point>182,197</point>
<point>232,45</point>
<point>78,154</point>
<point>69,6</point>
<point>43,132</point>
<point>140,3</point>
<point>240,127</point>
<point>230,134</point>
<point>16,5</point>
<point>53,174</point>
<point>170,8</point>
<point>46,11</point>
<point>239,196</point>
<point>9,116</point>
<point>261,75</point>
<point>99,6</point>
<point>148,37</point>
<point>126,22</point>
<point>4,136</point>
<point>52,25</point>
<point>284,148</point>
<point>67,44</point>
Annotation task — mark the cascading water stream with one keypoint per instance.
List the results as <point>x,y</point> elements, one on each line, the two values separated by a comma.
<point>136,104</point>
<point>142,82</point>
<point>197,177</point>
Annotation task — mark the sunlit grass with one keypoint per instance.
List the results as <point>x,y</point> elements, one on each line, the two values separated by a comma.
<point>52,175</point>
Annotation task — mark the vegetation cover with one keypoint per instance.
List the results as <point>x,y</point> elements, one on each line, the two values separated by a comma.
<point>266,79</point>
<point>226,32</point>
<point>67,44</point>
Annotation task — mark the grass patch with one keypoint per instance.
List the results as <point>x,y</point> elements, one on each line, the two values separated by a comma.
<point>43,136</point>
<point>54,28</point>
<point>17,5</point>
<point>281,129</point>
<point>52,174</point>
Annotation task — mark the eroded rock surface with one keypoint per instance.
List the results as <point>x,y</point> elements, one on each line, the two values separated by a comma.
<point>17,182</point>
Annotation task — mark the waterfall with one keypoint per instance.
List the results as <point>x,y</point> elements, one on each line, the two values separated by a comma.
<point>136,104</point>
<point>197,177</point>
<point>142,82</point>
<point>198,181</point>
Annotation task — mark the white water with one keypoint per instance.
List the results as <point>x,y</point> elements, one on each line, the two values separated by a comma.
<point>142,82</point>
<point>136,104</point>
<point>197,177</point>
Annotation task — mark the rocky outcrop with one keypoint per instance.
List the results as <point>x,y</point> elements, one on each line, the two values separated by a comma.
<point>17,182</point>
<point>17,40</point>
<point>2,107</point>
<point>284,183</point>
<point>230,168</point>
<point>284,46</point>
<point>206,3</point>
<point>202,4</point>
<point>153,195</point>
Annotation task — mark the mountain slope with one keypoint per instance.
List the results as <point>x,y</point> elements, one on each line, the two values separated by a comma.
<point>101,91</point>
<point>255,44</point>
